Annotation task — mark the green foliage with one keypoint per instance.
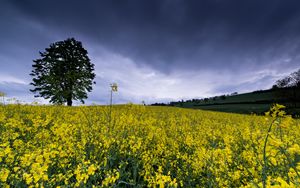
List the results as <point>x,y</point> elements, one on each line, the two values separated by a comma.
<point>63,73</point>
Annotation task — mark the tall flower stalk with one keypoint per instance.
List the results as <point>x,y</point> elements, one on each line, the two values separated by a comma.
<point>2,95</point>
<point>276,112</point>
<point>114,88</point>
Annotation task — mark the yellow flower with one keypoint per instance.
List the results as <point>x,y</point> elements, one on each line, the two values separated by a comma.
<point>28,178</point>
<point>4,174</point>
<point>92,169</point>
<point>157,146</point>
<point>294,149</point>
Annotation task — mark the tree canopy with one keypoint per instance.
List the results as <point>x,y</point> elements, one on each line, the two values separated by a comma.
<point>63,73</point>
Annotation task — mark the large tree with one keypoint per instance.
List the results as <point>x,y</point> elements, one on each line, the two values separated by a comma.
<point>63,73</point>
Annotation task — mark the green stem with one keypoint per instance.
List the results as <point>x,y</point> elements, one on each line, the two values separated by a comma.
<point>110,107</point>
<point>264,173</point>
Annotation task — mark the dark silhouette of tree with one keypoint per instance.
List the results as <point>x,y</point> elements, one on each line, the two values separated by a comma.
<point>295,86</point>
<point>274,87</point>
<point>295,78</point>
<point>284,82</point>
<point>291,84</point>
<point>63,73</point>
<point>222,97</point>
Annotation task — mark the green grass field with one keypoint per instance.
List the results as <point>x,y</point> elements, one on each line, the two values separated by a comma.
<point>237,108</point>
<point>247,103</point>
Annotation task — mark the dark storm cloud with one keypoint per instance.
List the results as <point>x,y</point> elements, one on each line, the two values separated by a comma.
<point>172,49</point>
<point>171,34</point>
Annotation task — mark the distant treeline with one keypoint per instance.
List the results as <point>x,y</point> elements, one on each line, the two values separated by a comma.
<point>201,100</point>
<point>285,91</point>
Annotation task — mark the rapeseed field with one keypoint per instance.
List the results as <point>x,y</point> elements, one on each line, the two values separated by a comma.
<point>141,146</point>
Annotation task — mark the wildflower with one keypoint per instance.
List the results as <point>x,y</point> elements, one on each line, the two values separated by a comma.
<point>294,149</point>
<point>4,174</point>
<point>92,169</point>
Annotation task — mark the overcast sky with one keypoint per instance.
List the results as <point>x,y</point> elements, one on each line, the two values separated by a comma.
<point>156,50</point>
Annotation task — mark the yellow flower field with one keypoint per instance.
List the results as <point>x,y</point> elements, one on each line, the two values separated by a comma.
<point>138,146</point>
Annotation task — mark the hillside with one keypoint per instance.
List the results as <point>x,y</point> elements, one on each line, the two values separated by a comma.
<point>254,102</point>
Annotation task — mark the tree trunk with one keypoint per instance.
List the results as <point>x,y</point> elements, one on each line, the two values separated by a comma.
<point>69,101</point>
<point>69,96</point>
